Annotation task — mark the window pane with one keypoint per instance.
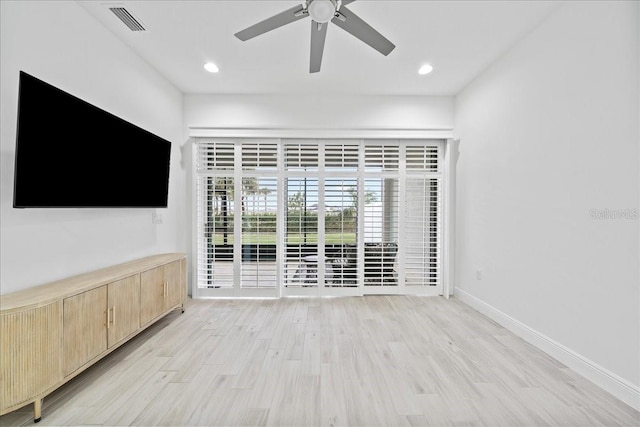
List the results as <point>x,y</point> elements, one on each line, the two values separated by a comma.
<point>259,241</point>
<point>215,236</point>
<point>301,231</point>
<point>340,226</point>
<point>381,232</point>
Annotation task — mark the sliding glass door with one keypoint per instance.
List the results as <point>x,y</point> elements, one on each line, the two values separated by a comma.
<point>318,217</point>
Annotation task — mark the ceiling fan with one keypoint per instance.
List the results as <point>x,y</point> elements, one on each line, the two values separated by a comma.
<point>322,12</point>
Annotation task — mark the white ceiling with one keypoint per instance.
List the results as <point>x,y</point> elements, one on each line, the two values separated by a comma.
<point>459,38</point>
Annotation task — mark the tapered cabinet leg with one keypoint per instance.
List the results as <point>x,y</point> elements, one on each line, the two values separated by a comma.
<point>37,410</point>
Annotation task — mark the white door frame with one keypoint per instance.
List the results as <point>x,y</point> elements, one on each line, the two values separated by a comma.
<point>449,160</point>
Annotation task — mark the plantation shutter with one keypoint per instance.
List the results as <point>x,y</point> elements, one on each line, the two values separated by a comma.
<point>259,212</point>
<point>423,216</point>
<point>301,235</point>
<point>214,156</point>
<point>301,157</point>
<point>423,158</point>
<point>341,157</point>
<point>381,203</point>
<point>259,239</point>
<point>363,216</point>
<point>261,156</point>
<point>214,205</point>
<point>340,231</point>
<point>381,206</point>
<point>381,157</point>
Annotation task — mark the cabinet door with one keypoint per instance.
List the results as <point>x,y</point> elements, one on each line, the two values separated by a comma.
<point>85,333</point>
<point>123,310</point>
<point>30,353</point>
<point>152,294</point>
<point>176,286</point>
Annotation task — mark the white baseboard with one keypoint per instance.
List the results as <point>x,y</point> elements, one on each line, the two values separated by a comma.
<point>607,380</point>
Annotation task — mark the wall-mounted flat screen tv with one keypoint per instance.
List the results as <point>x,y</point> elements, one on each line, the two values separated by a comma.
<point>72,154</point>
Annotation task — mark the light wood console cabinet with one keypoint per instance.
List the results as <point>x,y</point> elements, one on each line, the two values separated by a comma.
<point>162,286</point>
<point>51,333</point>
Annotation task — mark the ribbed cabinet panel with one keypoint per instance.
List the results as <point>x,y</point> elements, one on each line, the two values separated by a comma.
<point>85,333</point>
<point>173,274</point>
<point>153,290</point>
<point>123,315</point>
<point>31,353</point>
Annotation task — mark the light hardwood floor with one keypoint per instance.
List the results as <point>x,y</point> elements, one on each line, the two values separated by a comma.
<point>356,361</point>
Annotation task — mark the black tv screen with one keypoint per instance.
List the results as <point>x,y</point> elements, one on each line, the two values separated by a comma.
<point>72,154</point>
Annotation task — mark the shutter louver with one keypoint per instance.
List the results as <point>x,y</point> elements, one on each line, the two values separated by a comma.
<point>381,157</point>
<point>259,155</point>
<point>423,158</point>
<point>214,155</point>
<point>301,232</point>
<point>341,157</point>
<point>340,226</point>
<point>381,232</point>
<point>259,240</point>
<point>423,237</point>
<point>301,156</point>
<point>215,232</point>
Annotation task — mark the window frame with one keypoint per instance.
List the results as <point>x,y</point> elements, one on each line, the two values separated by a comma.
<point>361,175</point>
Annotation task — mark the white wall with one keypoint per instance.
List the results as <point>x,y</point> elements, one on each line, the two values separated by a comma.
<point>62,44</point>
<point>549,133</point>
<point>319,112</point>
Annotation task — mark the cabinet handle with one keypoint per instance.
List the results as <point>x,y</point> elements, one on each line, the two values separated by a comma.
<point>166,289</point>
<point>111,316</point>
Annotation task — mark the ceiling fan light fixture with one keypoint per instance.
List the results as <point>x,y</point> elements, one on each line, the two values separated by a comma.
<point>322,11</point>
<point>211,67</point>
<point>425,69</point>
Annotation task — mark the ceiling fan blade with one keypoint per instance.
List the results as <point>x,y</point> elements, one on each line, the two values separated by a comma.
<point>354,25</point>
<point>318,36</point>
<point>276,21</point>
<point>346,2</point>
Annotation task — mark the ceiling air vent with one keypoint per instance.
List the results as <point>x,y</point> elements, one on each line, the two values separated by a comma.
<point>127,18</point>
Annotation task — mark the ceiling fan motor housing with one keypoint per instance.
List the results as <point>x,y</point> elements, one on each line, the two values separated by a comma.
<point>322,11</point>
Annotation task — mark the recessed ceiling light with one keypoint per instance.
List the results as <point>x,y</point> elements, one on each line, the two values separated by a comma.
<point>211,67</point>
<point>425,69</point>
